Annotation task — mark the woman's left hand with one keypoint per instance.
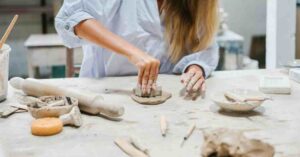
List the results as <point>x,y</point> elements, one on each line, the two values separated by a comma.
<point>194,81</point>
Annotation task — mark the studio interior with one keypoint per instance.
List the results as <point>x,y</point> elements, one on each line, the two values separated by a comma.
<point>150,78</point>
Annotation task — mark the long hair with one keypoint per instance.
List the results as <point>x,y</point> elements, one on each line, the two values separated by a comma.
<point>190,25</point>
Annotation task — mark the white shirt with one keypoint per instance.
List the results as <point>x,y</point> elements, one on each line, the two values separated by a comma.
<point>136,21</point>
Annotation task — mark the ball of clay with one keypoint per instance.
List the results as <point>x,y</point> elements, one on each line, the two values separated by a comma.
<point>46,126</point>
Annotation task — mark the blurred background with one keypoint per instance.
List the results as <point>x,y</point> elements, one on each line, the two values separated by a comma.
<point>38,52</point>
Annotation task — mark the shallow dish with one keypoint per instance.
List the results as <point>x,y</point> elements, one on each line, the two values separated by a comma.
<point>220,99</point>
<point>38,111</point>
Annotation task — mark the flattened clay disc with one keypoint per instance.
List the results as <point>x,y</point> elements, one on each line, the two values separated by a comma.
<point>152,100</point>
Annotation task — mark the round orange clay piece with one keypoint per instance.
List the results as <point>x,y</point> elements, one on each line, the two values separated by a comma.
<point>46,126</point>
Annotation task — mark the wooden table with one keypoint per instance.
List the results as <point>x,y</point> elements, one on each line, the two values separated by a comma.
<point>49,50</point>
<point>275,122</point>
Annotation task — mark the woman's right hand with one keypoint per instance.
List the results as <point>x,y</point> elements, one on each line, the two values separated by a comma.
<point>148,70</point>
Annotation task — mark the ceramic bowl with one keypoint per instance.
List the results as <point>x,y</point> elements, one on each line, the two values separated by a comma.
<point>220,99</point>
<point>51,111</point>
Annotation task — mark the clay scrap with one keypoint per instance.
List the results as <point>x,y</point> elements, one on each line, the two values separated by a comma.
<point>231,143</point>
<point>64,108</point>
<point>51,106</point>
<point>155,97</point>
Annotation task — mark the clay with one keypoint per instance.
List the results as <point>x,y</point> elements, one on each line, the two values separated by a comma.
<point>73,118</point>
<point>89,102</point>
<point>152,100</point>
<point>4,113</point>
<point>51,106</point>
<point>153,93</point>
<point>127,147</point>
<point>230,143</point>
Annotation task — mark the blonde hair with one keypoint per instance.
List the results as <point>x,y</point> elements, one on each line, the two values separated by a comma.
<point>190,25</point>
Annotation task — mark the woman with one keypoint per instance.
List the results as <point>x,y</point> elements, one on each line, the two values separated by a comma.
<point>144,37</point>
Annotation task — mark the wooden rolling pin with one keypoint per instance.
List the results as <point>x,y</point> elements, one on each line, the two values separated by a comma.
<point>88,102</point>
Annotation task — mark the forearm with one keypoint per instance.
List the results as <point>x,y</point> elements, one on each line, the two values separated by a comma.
<point>95,32</point>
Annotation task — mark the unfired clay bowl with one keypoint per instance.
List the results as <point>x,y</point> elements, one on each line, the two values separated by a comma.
<point>53,111</point>
<point>220,99</point>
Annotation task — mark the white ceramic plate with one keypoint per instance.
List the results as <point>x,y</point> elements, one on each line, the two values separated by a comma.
<point>224,103</point>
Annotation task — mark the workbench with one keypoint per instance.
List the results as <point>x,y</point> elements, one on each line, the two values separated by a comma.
<point>49,50</point>
<point>275,122</point>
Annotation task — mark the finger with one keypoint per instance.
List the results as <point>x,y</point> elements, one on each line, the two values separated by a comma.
<point>193,81</point>
<point>151,78</point>
<point>140,75</point>
<point>145,79</point>
<point>203,90</point>
<point>156,75</point>
<point>187,78</point>
<point>198,85</point>
<point>195,95</point>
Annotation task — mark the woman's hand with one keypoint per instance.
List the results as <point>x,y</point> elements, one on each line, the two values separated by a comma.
<point>148,70</point>
<point>194,81</point>
<point>148,67</point>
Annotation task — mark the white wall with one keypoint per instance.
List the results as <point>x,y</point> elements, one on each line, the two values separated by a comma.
<point>246,17</point>
<point>281,30</point>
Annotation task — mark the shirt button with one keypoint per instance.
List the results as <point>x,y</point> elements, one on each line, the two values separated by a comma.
<point>67,27</point>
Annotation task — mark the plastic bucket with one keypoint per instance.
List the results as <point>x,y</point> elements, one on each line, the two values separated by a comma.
<point>4,68</point>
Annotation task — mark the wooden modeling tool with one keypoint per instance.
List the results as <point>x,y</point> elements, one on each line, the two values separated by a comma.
<point>129,149</point>
<point>8,30</point>
<point>188,134</point>
<point>92,103</point>
<point>163,126</point>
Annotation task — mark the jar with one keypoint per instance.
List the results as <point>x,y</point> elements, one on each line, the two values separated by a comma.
<point>4,66</point>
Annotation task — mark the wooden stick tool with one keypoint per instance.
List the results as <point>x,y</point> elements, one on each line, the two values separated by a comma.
<point>189,133</point>
<point>128,148</point>
<point>163,126</point>
<point>8,30</point>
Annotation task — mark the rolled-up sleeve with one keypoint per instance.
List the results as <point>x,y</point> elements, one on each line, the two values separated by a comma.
<point>71,13</point>
<point>207,59</point>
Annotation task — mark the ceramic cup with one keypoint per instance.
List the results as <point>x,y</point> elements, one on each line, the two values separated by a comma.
<point>4,66</point>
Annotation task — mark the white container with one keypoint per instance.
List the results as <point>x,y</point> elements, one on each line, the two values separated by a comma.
<point>4,66</point>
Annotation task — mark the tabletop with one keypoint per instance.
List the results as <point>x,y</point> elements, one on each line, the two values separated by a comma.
<point>44,40</point>
<point>275,122</point>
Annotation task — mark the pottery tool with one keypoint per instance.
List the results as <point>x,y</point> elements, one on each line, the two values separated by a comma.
<point>188,134</point>
<point>8,30</point>
<point>163,126</point>
<point>295,74</point>
<point>88,102</point>
<point>275,85</point>
<point>139,145</point>
<point>127,147</point>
